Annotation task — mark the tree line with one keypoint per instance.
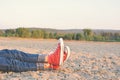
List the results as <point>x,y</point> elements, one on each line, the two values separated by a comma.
<point>86,35</point>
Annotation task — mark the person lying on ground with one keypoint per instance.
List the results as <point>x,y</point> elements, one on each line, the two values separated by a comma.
<point>19,61</point>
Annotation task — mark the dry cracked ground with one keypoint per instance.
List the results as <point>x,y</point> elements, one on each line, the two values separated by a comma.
<point>88,60</point>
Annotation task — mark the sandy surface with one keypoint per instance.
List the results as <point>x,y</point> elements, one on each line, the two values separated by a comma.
<point>88,60</point>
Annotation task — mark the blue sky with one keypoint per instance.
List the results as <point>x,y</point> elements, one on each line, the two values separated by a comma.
<point>60,14</point>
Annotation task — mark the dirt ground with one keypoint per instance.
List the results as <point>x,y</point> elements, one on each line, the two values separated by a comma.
<point>88,60</point>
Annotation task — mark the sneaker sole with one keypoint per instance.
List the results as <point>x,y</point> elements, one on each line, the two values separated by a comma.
<point>61,51</point>
<point>68,52</point>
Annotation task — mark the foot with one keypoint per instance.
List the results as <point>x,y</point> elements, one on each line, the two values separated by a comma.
<point>56,58</point>
<point>54,67</point>
<point>48,66</point>
<point>66,56</point>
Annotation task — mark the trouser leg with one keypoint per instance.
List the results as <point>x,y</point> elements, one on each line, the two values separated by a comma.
<point>7,64</point>
<point>22,56</point>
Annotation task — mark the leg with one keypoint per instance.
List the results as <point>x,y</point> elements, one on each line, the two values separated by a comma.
<point>7,64</point>
<point>22,56</point>
<point>53,60</point>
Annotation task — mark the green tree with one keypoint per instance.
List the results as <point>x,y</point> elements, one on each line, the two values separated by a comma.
<point>23,32</point>
<point>107,35</point>
<point>46,35</point>
<point>51,35</point>
<point>79,36</point>
<point>88,34</point>
<point>9,33</point>
<point>38,34</point>
<point>35,34</point>
<point>98,38</point>
<point>117,36</point>
<point>55,35</point>
<point>68,36</point>
<point>1,33</point>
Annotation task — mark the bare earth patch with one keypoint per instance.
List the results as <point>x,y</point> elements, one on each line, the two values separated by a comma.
<point>88,60</point>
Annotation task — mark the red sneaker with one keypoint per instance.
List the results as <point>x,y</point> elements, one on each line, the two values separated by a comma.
<point>56,58</point>
<point>66,56</point>
<point>66,53</point>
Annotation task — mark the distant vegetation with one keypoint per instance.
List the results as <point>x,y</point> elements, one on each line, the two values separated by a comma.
<point>85,35</point>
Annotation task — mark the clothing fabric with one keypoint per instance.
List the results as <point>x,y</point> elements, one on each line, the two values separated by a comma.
<point>22,56</point>
<point>18,61</point>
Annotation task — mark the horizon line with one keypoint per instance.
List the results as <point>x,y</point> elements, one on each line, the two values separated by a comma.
<point>59,28</point>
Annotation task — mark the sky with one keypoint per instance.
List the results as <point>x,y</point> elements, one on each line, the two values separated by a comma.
<point>60,14</point>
